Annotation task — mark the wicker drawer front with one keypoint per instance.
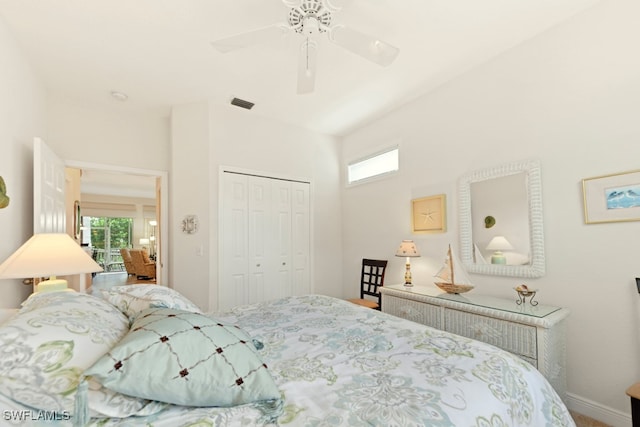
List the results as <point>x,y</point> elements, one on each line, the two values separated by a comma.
<point>419,312</point>
<point>516,338</point>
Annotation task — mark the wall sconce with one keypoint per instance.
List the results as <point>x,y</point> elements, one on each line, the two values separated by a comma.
<point>407,249</point>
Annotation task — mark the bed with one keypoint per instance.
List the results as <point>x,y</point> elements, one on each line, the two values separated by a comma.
<point>299,361</point>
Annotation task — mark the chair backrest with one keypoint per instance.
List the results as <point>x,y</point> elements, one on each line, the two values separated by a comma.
<point>126,256</point>
<point>372,277</point>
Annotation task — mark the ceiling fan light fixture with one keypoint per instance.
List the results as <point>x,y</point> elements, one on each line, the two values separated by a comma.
<point>311,19</point>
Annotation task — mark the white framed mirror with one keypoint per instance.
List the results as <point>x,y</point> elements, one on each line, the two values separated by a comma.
<point>498,204</point>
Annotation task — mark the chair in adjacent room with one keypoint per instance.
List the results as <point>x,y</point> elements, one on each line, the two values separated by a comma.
<point>371,278</point>
<point>128,262</point>
<point>144,267</point>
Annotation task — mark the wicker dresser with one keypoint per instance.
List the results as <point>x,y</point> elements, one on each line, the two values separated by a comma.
<point>534,333</point>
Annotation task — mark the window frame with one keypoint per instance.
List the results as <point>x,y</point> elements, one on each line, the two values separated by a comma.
<point>378,176</point>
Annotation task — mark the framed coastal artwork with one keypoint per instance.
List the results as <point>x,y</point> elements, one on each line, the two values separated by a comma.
<point>429,214</point>
<point>612,198</point>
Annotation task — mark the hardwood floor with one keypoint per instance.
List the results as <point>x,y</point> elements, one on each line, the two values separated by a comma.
<point>584,421</point>
<point>107,280</point>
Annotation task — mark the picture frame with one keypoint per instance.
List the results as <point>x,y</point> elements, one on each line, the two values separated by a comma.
<point>612,198</point>
<point>429,214</point>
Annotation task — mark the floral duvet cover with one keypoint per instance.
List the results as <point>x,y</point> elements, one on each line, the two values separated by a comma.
<point>338,364</point>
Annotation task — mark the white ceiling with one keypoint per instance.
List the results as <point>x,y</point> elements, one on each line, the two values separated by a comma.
<point>159,52</point>
<point>113,183</point>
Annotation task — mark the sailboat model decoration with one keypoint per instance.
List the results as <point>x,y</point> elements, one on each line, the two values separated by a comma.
<point>452,277</point>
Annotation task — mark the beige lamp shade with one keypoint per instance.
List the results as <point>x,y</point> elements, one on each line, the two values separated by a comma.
<point>144,241</point>
<point>407,249</point>
<point>48,254</point>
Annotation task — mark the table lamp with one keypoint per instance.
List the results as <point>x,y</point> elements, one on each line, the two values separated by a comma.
<point>48,255</point>
<point>407,249</point>
<point>499,244</point>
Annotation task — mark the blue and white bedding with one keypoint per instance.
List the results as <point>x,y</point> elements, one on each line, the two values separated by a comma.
<point>333,364</point>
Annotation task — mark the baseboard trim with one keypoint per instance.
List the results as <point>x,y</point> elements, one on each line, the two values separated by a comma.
<point>607,415</point>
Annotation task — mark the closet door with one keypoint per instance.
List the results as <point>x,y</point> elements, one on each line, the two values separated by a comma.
<point>300,238</point>
<point>280,262</point>
<point>265,239</point>
<point>259,238</point>
<point>233,286</point>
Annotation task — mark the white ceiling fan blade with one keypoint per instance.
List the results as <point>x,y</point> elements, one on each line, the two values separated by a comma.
<point>307,66</point>
<point>292,3</point>
<point>250,38</point>
<point>368,47</point>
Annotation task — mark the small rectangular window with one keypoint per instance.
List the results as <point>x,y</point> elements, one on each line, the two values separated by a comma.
<point>378,164</point>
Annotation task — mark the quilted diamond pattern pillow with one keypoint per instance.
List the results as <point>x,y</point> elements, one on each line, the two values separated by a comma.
<point>188,359</point>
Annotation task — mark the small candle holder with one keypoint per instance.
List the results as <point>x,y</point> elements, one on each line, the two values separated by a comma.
<point>524,293</point>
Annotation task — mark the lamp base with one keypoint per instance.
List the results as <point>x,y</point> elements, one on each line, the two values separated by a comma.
<point>407,274</point>
<point>52,285</point>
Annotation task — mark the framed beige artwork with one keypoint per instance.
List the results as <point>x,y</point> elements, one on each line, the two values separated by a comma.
<point>429,214</point>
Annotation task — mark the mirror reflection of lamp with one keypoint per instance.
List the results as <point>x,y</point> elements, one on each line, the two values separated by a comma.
<point>499,244</point>
<point>407,249</point>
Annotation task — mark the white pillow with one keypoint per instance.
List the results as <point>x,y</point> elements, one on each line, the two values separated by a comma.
<point>132,299</point>
<point>515,258</point>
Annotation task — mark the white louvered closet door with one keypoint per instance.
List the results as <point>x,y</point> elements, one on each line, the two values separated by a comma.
<point>265,235</point>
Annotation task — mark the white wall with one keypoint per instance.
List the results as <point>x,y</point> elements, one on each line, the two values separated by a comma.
<point>110,136</point>
<point>190,268</point>
<point>570,98</point>
<point>22,107</point>
<point>243,139</point>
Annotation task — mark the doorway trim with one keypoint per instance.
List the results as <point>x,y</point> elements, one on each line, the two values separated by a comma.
<point>163,262</point>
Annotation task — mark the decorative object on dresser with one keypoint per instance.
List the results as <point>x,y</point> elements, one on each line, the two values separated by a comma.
<point>533,333</point>
<point>523,293</point>
<point>429,214</point>
<point>48,255</point>
<point>371,279</point>
<point>452,277</point>
<point>407,249</point>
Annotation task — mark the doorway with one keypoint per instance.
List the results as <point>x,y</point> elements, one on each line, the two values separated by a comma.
<point>126,180</point>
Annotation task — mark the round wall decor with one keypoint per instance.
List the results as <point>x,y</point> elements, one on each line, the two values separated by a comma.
<point>189,224</point>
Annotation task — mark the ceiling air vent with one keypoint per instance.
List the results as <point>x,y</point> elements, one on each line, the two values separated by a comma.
<point>242,103</point>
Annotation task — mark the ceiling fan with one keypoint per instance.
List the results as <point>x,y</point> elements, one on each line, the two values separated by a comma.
<point>311,19</point>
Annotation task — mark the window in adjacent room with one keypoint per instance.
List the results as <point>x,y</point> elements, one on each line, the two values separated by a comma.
<point>379,164</point>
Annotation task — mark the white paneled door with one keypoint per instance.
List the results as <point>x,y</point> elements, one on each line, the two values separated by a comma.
<point>265,239</point>
<point>49,210</point>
